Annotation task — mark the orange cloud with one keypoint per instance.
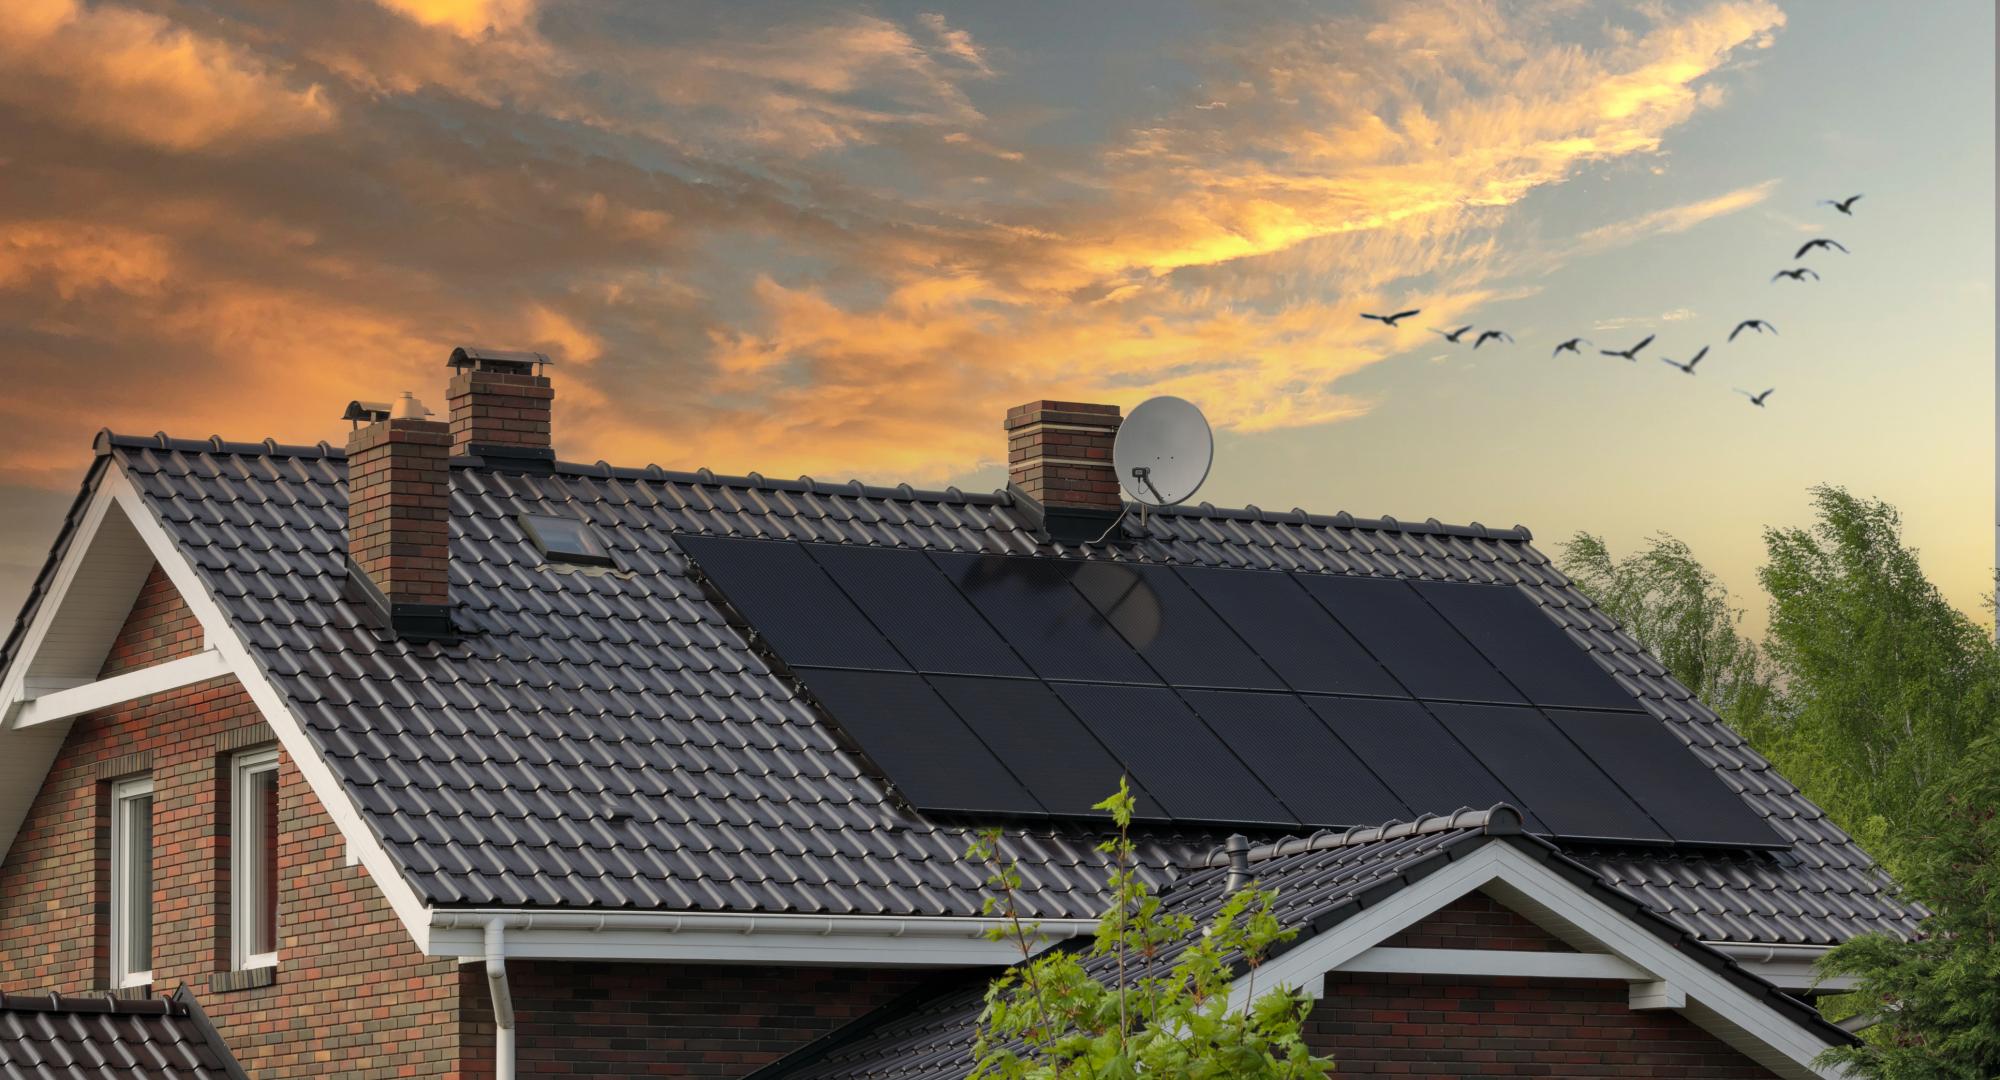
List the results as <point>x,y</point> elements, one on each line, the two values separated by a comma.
<point>134,75</point>
<point>466,18</point>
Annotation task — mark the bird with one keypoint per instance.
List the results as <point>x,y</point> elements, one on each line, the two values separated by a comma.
<point>1571,346</point>
<point>1390,320</point>
<point>1454,335</point>
<point>1491,335</point>
<point>1845,206</point>
<point>1758,325</point>
<point>1756,399</point>
<point>1821,242</point>
<point>1689,366</point>
<point>1631,353</point>
<point>1798,274</point>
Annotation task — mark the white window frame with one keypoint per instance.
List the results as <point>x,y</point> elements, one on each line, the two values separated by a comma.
<point>122,793</point>
<point>245,846</point>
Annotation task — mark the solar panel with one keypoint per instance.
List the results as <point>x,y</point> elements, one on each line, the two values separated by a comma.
<point>808,621</point>
<point>1411,639</point>
<point>1031,603</point>
<point>1322,781</point>
<point>1185,642</point>
<point>1036,736</point>
<point>921,611</point>
<point>1538,762</point>
<point>1664,777</point>
<point>1293,634</point>
<point>1534,653</point>
<point>1168,749</point>
<point>1415,756</point>
<point>927,752</point>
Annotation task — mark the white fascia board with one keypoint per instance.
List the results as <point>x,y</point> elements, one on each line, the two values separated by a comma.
<point>839,940</point>
<point>219,631</point>
<point>1737,1017</point>
<point>118,689</point>
<point>1496,963</point>
<point>12,692</point>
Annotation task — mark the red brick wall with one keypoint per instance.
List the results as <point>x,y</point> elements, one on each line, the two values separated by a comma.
<point>688,1020</point>
<point>1474,921</point>
<point>352,996</point>
<point>159,628</point>
<point>1453,1026</point>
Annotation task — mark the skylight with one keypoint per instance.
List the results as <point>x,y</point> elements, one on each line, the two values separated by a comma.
<point>566,540</point>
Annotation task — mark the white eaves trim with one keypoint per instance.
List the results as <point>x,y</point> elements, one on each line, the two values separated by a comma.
<point>1788,967</point>
<point>1660,975</point>
<point>118,689</point>
<point>854,940</point>
<point>1497,963</point>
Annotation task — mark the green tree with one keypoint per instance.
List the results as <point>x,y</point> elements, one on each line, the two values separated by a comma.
<point>1116,1011</point>
<point>1682,614</point>
<point>1939,996</point>
<point>1886,683</point>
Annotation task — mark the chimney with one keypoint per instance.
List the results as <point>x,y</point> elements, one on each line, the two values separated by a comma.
<point>1059,456</point>
<point>399,517</point>
<point>500,404</point>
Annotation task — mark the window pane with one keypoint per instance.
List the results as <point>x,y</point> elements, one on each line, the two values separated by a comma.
<point>263,923</point>
<point>138,836</point>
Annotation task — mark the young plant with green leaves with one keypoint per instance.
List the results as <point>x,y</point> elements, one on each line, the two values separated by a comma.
<point>1149,997</point>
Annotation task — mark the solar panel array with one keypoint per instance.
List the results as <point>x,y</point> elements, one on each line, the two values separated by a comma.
<point>1012,686</point>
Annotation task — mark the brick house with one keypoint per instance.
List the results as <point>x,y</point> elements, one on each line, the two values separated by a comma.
<point>437,756</point>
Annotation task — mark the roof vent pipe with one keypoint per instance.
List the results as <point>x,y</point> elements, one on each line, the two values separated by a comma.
<point>1238,847</point>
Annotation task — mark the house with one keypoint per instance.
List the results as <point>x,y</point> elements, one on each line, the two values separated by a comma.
<point>437,756</point>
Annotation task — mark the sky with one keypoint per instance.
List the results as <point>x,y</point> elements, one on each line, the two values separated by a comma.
<point>841,239</point>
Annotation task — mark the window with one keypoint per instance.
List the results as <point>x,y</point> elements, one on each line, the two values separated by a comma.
<point>132,882</point>
<point>565,539</point>
<point>253,860</point>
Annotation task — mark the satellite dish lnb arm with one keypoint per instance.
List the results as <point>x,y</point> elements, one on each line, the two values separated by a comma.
<point>1144,475</point>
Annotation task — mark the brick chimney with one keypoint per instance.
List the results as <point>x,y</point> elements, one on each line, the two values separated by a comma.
<point>399,517</point>
<point>500,404</point>
<point>1059,455</point>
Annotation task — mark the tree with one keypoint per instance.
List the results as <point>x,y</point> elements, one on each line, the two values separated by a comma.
<point>1115,1011</point>
<point>1682,614</point>
<point>1938,996</point>
<point>1886,683</point>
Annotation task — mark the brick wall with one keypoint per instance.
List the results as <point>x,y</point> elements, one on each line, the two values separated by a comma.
<point>1474,921</point>
<point>688,1020</point>
<point>159,628</point>
<point>351,995</point>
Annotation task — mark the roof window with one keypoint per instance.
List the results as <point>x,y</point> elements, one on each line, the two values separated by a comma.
<point>566,540</point>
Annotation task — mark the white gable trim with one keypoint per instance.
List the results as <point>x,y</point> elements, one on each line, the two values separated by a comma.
<point>1661,976</point>
<point>228,656</point>
<point>118,689</point>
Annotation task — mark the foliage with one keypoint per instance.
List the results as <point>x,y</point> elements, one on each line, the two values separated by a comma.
<point>1939,996</point>
<point>1117,1010</point>
<point>1887,684</point>
<point>1682,614</point>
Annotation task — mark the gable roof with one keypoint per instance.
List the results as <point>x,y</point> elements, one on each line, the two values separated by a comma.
<point>607,739</point>
<point>53,1037</point>
<point>1320,883</point>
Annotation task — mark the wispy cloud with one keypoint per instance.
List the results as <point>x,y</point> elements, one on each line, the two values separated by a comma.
<point>1672,219</point>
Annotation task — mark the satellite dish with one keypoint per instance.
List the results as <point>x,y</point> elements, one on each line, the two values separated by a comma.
<point>1163,451</point>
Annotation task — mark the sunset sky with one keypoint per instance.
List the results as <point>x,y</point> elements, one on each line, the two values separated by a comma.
<point>842,239</point>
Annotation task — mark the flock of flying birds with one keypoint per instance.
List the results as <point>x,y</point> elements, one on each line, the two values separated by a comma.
<point>1575,344</point>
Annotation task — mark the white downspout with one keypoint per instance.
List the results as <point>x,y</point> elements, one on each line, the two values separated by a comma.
<point>503,1001</point>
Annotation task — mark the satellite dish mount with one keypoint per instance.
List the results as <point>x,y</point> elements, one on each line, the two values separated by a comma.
<point>1162,453</point>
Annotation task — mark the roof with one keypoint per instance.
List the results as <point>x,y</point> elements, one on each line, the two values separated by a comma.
<point>1319,882</point>
<point>53,1037</point>
<point>609,739</point>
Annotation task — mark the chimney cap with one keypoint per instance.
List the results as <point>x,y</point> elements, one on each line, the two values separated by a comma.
<point>366,412</point>
<point>501,361</point>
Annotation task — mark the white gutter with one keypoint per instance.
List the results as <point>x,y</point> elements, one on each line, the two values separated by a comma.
<point>503,999</point>
<point>1788,967</point>
<point>859,940</point>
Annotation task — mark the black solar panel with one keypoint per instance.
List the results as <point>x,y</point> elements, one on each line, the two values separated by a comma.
<point>1034,734</point>
<point>1293,634</point>
<point>921,611</point>
<point>1317,777</point>
<point>1186,643</point>
<point>1415,756</point>
<point>1538,763</point>
<point>1535,654</point>
<point>1663,776</point>
<point>926,750</point>
<point>1033,605</point>
<point>795,606</point>
<point>1167,748</point>
<point>1410,638</point>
